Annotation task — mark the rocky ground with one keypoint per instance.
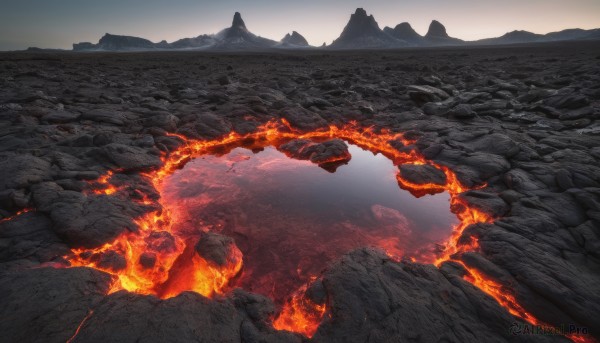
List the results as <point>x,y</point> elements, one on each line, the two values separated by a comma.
<point>524,120</point>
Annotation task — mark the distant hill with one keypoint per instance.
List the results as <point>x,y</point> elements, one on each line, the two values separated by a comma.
<point>361,32</point>
<point>516,37</point>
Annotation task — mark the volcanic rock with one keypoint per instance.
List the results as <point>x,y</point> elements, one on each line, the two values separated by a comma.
<point>129,158</point>
<point>462,111</point>
<point>33,300</point>
<point>534,142</point>
<point>335,150</point>
<point>29,238</point>
<point>363,32</point>
<point>105,116</point>
<point>422,174</point>
<point>488,203</point>
<point>373,298</point>
<point>85,221</point>
<point>215,248</point>
<point>61,117</point>
<point>22,171</point>
<point>188,317</point>
<point>424,94</point>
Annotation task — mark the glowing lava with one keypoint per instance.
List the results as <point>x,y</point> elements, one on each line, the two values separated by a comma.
<point>162,261</point>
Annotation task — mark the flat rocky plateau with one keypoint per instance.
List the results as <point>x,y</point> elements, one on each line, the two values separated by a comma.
<point>524,120</point>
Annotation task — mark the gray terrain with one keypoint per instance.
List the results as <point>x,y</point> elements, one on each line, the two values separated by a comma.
<point>524,122</point>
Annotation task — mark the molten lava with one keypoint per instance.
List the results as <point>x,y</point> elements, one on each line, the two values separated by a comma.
<point>300,315</point>
<point>161,258</point>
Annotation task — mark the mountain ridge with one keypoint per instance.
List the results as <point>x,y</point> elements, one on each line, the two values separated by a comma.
<point>361,32</point>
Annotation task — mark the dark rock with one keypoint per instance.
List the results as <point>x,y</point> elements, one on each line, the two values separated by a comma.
<point>85,221</point>
<point>564,179</point>
<point>129,158</point>
<point>147,260</point>
<point>164,121</point>
<point>47,304</point>
<point>328,151</point>
<point>374,298</point>
<point>215,248</point>
<point>105,116</point>
<point>188,317</point>
<point>109,260</point>
<point>497,144</point>
<point>422,174</point>
<point>568,101</point>
<point>488,203</point>
<point>61,117</point>
<point>29,236</point>
<point>22,171</point>
<point>303,119</point>
<point>577,114</point>
<point>462,111</point>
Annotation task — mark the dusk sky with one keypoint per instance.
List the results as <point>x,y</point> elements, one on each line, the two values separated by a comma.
<point>59,23</point>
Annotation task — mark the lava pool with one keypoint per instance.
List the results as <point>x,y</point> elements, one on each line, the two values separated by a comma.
<point>289,217</point>
<point>267,211</point>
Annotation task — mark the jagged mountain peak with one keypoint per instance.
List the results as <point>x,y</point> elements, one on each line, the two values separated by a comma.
<point>362,31</point>
<point>238,22</point>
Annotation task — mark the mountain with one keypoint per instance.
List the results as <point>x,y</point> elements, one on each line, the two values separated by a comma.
<point>405,32</point>
<point>516,37</point>
<point>363,32</point>
<point>200,42</point>
<point>294,40</point>
<point>238,37</point>
<point>114,42</point>
<point>437,35</point>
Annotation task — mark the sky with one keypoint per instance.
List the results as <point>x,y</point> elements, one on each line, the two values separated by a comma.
<point>59,23</point>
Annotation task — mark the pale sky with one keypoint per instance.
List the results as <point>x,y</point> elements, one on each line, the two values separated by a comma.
<point>59,23</point>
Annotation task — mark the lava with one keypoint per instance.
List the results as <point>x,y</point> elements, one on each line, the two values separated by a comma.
<point>85,319</point>
<point>300,315</point>
<point>161,260</point>
<point>23,211</point>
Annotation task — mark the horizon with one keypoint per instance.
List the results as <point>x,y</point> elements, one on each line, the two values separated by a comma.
<point>35,23</point>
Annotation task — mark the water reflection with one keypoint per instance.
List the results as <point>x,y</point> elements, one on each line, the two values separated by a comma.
<point>290,218</point>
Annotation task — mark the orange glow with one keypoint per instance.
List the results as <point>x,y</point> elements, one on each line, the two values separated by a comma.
<point>300,315</point>
<point>16,215</point>
<point>177,268</point>
<point>85,319</point>
<point>103,185</point>
<point>498,292</point>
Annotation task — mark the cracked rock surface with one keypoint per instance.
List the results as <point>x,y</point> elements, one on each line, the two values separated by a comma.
<point>523,122</point>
